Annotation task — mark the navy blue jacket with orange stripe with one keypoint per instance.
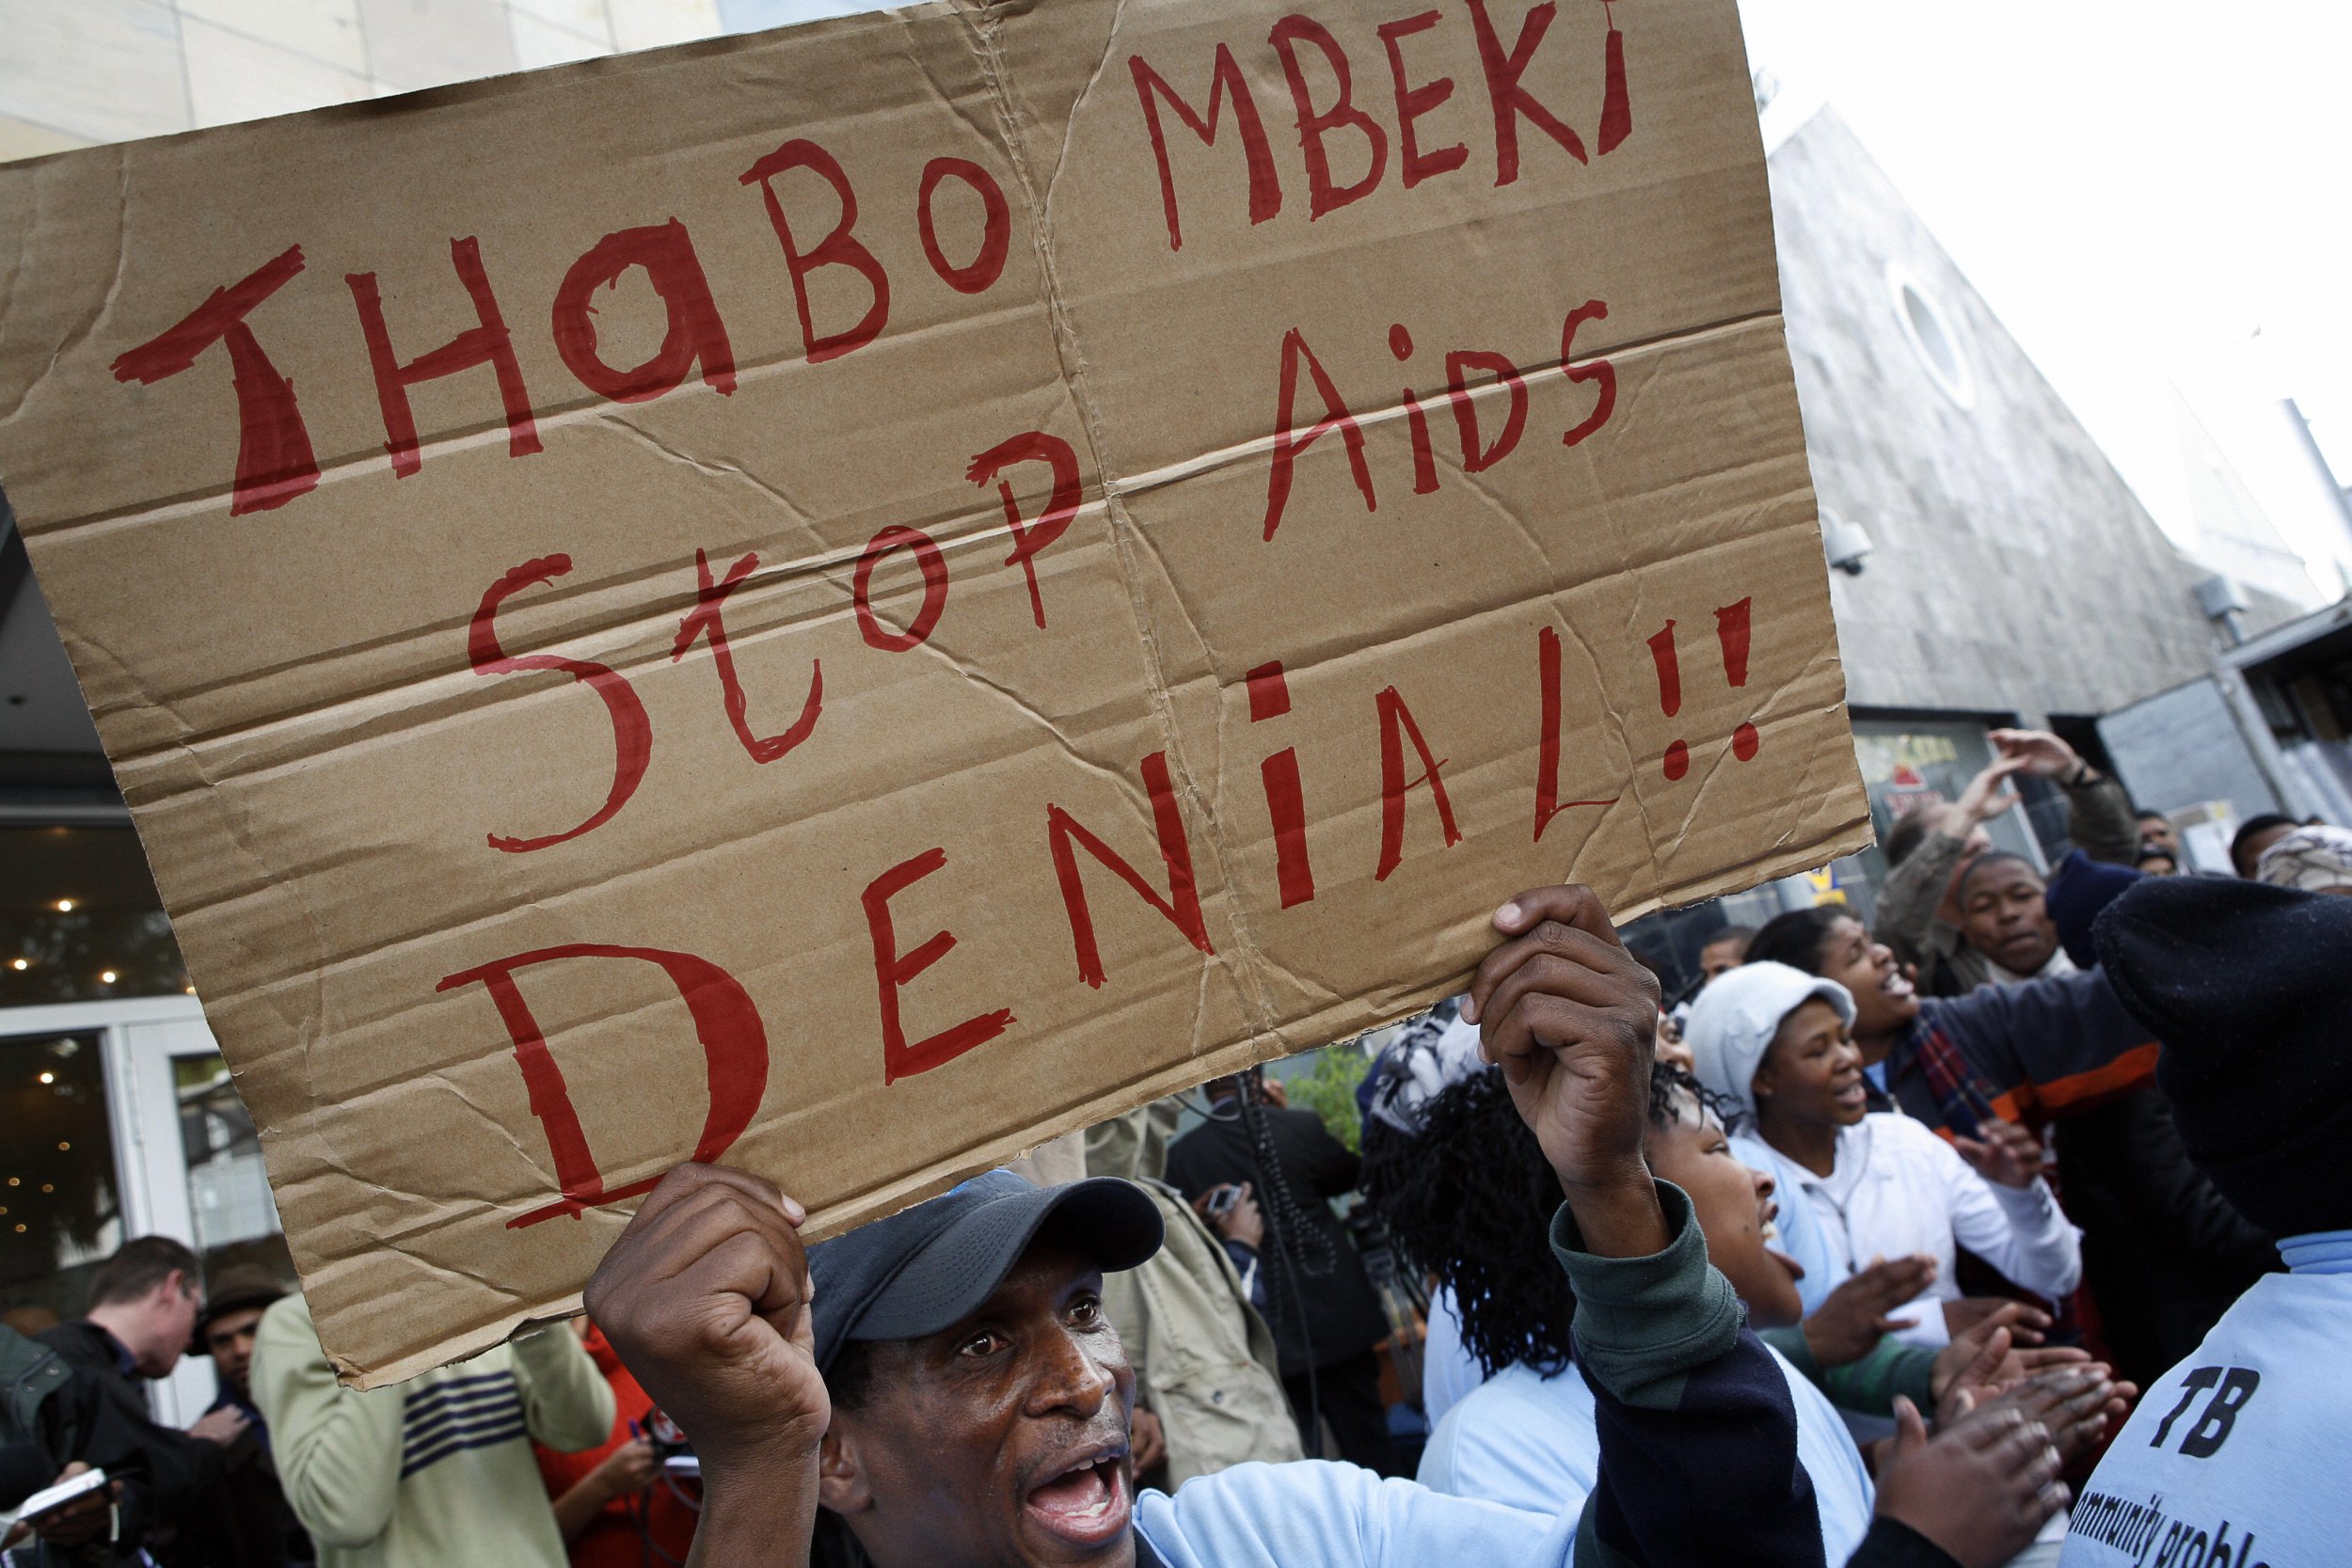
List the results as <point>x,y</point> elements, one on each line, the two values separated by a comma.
<point>2037,1050</point>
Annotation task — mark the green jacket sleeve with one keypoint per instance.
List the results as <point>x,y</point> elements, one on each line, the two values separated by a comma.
<point>1643,1324</point>
<point>1868,1386</point>
<point>1905,918</point>
<point>1699,1435</point>
<point>2099,819</point>
<point>566,1402</point>
<point>337,1448</point>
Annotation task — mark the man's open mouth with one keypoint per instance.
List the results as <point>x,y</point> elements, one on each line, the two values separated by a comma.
<point>1085,1502</point>
<point>1895,983</point>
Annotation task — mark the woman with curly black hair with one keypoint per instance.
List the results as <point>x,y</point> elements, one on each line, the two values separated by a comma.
<point>1471,1207</point>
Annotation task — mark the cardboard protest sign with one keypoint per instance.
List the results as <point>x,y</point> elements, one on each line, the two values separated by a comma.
<point>851,600</point>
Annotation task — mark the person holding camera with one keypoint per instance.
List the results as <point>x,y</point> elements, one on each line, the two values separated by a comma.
<point>622,1504</point>
<point>1309,1281</point>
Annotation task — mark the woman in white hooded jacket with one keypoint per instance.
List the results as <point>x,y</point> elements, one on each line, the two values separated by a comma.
<point>1776,1044</point>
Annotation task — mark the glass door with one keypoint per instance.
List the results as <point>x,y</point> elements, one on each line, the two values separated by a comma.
<point>130,1126</point>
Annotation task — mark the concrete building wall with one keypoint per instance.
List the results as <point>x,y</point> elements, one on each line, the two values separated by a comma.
<point>2014,569</point>
<point>77,71</point>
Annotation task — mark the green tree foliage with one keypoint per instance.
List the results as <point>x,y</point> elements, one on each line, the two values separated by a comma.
<point>1327,1088</point>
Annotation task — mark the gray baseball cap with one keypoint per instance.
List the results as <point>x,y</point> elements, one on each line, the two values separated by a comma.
<point>925,1268</point>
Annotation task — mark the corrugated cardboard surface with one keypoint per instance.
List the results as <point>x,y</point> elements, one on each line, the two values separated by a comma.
<point>318,771</point>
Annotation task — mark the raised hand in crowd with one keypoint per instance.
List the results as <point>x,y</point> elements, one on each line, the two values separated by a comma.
<point>706,1298</point>
<point>2039,753</point>
<point>1982,1488</point>
<point>1571,1017</point>
<point>2007,1155</point>
<point>1988,796</point>
<point>1852,1319</point>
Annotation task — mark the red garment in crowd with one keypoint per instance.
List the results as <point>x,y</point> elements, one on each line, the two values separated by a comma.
<point>615,1540</point>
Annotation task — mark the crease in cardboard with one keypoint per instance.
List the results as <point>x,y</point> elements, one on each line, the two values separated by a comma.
<point>1124,529</point>
<point>114,283</point>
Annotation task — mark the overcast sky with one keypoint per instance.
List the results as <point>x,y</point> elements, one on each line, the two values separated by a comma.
<point>2139,187</point>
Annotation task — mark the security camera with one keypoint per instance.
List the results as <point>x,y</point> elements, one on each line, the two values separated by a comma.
<point>1846,543</point>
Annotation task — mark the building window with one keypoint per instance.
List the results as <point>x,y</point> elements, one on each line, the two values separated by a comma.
<point>1934,337</point>
<point>79,919</point>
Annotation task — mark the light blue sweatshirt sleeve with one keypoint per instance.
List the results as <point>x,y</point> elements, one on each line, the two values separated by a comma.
<point>1313,1514</point>
<point>1800,1233</point>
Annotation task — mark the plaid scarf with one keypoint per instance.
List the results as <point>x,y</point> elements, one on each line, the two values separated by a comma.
<point>1965,1099</point>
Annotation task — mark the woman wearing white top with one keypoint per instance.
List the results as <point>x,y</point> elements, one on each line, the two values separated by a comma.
<point>1777,1043</point>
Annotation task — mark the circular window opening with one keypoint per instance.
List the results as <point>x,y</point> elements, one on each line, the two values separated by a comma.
<point>1933,337</point>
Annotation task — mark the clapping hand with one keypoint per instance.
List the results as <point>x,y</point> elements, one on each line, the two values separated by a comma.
<point>2074,1402</point>
<point>1992,1357</point>
<point>1980,1489</point>
<point>1852,1319</point>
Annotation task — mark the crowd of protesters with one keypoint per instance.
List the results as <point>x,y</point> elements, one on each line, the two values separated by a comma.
<point>2010,1229</point>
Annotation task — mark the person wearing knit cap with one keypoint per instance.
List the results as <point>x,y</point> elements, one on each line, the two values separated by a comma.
<point>2239,1449</point>
<point>1778,1043</point>
<point>2164,1253</point>
<point>2079,890</point>
<point>2060,1045</point>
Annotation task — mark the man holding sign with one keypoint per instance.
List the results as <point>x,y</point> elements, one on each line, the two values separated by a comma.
<point>944,1385</point>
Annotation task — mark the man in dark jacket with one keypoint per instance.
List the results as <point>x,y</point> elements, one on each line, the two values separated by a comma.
<point>1326,1316</point>
<point>144,1305</point>
<point>2164,1253</point>
<point>59,1410</point>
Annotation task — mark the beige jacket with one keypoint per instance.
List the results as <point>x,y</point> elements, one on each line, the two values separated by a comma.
<point>1204,1359</point>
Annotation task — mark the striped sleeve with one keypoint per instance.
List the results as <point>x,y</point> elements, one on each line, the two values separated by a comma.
<point>1699,1435</point>
<point>445,1416</point>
